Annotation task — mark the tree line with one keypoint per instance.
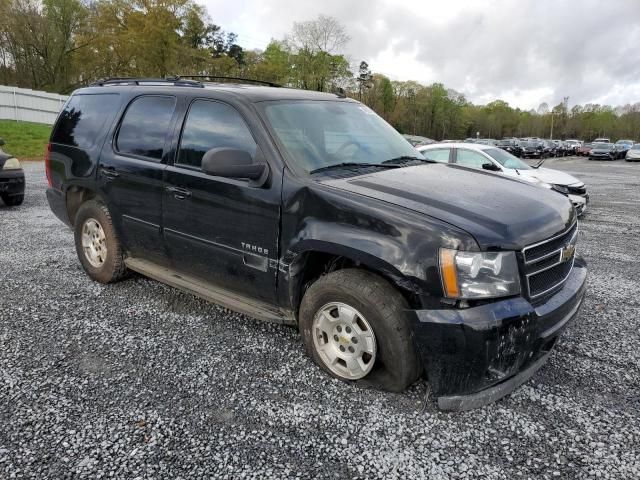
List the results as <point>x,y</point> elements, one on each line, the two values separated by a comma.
<point>60,45</point>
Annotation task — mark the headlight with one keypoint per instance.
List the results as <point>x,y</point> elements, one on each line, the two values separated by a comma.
<point>478,274</point>
<point>11,164</point>
<point>561,189</point>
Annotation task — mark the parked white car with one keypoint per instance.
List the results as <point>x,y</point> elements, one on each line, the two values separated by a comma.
<point>488,157</point>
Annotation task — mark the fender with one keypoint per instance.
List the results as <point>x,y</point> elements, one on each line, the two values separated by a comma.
<point>398,243</point>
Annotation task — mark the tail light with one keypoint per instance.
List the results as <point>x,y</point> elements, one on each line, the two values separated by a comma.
<point>47,164</point>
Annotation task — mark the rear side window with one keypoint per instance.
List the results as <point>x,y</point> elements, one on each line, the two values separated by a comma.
<point>145,125</point>
<point>210,125</point>
<point>438,155</point>
<point>82,122</point>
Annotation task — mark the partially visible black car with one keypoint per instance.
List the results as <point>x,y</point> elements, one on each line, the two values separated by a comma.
<point>511,145</point>
<point>11,179</point>
<point>603,151</point>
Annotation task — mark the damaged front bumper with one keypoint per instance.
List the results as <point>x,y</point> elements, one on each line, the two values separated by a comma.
<point>477,355</point>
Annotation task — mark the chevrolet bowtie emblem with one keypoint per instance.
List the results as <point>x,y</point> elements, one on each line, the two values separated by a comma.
<point>567,253</point>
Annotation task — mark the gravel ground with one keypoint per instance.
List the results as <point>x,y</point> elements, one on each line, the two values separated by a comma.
<point>138,380</point>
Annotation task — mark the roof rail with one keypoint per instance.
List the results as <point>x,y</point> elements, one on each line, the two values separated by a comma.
<point>177,81</point>
<point>239,79</point>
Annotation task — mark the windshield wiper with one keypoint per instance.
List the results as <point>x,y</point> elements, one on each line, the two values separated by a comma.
<point>352,164</point>
<point>407,158</point>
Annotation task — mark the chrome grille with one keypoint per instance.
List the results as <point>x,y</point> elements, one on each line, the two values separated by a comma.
<point>548,264</point>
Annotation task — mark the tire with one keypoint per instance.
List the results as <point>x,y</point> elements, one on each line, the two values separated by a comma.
<point>13,200</point>
<point>394,364</point>
<point>107,265</point>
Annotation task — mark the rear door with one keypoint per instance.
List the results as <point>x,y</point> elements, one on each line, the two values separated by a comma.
<point>131,173</point>
<point>222,230</point>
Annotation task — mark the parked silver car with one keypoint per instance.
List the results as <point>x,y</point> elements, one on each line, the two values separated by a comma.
<point>488,157</point>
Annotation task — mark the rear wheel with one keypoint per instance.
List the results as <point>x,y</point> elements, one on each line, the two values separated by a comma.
<point>13,200</point>
<point>355,327</point>
<point>97,245</point>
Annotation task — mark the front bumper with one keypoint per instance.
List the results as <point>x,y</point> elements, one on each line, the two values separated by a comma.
<point>477,355</point>
<point>12,182</point>
<point>601,156</point>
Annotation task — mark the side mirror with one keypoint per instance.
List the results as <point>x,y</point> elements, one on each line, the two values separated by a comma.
<point>232,163</point>
<point>491,167</point>
<point>1,142</point>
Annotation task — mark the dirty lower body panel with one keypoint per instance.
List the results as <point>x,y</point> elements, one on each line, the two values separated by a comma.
<point>477,355</point>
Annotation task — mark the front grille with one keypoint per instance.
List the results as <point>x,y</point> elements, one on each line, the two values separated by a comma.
<point>548,264</point>
<point>540,250</point>
<point>548,279</point>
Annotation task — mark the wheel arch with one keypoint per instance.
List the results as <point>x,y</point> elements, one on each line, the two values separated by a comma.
<point>76,196</point>
<point>309,264</point>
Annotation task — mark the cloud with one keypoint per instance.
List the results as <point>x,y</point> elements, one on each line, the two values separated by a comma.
<point>525,51</point>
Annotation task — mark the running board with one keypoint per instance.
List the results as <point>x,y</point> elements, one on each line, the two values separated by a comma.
<point>210,293</point>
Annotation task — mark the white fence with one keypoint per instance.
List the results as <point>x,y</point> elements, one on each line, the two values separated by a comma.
<point>27,105</point>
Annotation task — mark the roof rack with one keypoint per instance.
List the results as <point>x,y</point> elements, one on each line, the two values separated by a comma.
<point>238,79</point>
<point>177,81</point>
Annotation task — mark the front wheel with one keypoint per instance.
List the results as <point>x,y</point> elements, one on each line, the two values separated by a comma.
<point>355,327</point>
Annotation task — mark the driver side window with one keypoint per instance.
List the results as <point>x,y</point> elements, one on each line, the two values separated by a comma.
<point>212,124</point>
<point>469,158</point>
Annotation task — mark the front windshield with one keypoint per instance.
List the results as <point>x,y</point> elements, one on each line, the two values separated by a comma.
<point>636,147</point>
<point>317,134</point>
<point>604,146</point>
<point>623,142</point>
<point>506,159</point>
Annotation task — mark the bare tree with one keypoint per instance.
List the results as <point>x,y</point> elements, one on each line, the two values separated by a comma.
<point>324,34</point>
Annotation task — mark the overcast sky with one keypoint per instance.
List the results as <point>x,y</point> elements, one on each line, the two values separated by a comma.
<point>522,51</point>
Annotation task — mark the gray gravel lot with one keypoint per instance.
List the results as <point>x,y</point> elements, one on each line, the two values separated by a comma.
<point>140,380</point>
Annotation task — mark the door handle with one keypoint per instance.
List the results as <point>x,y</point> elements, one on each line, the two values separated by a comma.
<point>179,193</point>
<point>109,172</point>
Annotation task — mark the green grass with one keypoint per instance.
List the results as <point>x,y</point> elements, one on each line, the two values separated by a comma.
<point>24,140</point>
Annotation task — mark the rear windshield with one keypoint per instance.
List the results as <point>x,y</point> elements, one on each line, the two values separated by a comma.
<point>82,121</point>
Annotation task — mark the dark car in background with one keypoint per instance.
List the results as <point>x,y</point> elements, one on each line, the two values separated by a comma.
<point>549,149</point>
<point>622,147</point>
<point>633,154</point>
<point>308,209</point>
<point>511,145</point>
<point>12,182</point>
<point>584,149</point>
<point>532,149</point>
<point>603,151</point>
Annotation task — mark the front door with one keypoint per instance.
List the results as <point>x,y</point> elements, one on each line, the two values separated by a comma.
<point>222,230</point>
<point>131,174</point>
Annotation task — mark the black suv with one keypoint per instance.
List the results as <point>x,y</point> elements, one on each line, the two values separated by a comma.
<point>307,208</point>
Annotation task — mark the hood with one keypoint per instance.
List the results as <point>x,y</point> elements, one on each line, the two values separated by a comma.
<point>548,175</point>
<point>496,210</point>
